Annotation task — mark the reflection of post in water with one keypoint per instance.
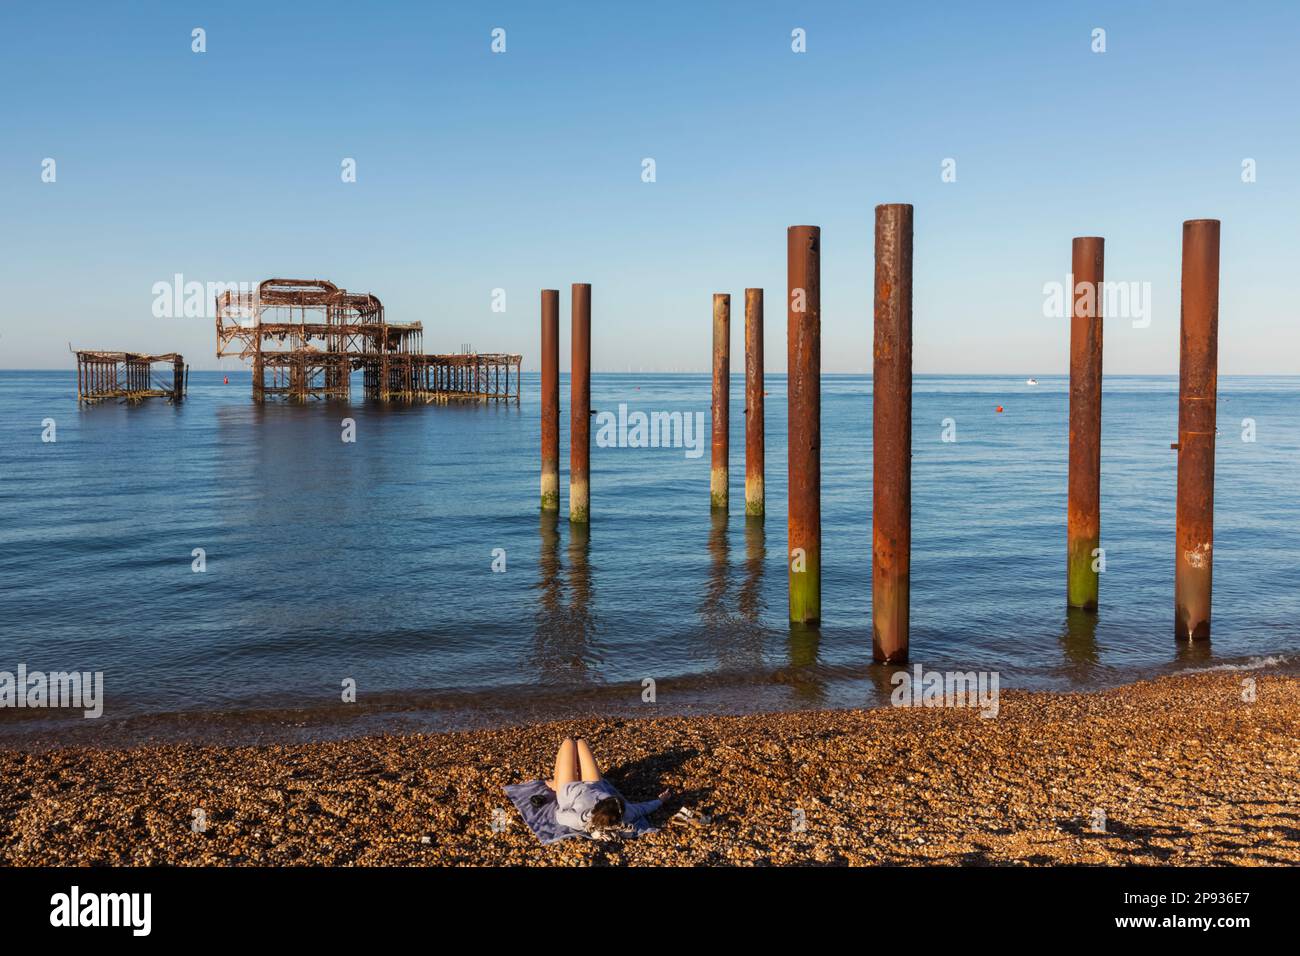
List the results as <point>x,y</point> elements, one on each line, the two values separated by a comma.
<point>560,641</point>
<point>1193,653</point>
<point>737,637</point>
<point>1079,638</point>
<point>554,651</point>
<point>803,645</point>
<point>714,607</point>
<point>804,680</point>
<point>881,677</point>
<point>548,566</point>
<point>751,600</point>
<point>580,577</point>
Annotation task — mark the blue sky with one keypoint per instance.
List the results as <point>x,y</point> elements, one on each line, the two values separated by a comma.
<point>522,170</point>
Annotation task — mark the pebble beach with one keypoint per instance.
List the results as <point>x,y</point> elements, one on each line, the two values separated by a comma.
<point>1180,770</point>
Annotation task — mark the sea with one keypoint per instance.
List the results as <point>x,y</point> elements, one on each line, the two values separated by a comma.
<point>242,573</point>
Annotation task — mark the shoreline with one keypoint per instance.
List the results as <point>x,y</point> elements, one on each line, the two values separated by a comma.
<point>1184,770</point>
<point>733,693</point>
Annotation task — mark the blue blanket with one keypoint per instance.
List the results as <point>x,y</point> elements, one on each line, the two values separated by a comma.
<point>541,820</point>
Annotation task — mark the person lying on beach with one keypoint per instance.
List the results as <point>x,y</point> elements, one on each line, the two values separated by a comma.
<point>587,801</point>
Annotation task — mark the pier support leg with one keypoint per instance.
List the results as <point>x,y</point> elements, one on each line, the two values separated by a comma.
<point>891,404</point>
<point>754,402</point>
<point>803,339</point>
<point>550,399</point>
<point>721,408</point>
<point>1083,517</point>
<point>1198,373</point>
<point>259,381</point>
<point>580,405</point>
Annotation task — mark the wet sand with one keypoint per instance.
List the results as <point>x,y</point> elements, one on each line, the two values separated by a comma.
<point>1184,771</point>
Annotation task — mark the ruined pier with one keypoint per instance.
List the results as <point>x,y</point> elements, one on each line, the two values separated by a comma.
<point>129,376</point>
<point>306,337</point>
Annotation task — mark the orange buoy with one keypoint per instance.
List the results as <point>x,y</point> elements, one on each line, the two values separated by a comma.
<point>999,409</point>
<point>225,380</point>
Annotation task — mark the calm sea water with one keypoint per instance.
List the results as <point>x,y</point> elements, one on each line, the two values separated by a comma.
<point>372,561</point>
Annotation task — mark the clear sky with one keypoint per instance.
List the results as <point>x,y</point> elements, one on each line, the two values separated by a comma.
<point>522,170</point>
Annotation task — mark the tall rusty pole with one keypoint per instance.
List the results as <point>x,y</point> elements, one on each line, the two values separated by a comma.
<point>891,407</point>
<point>1198,374</point>
<point>1083,514</point>
<point>580,405</point>
<point>550,399</point>
<point>754,402</point>
<point>804,342</point>
<point>718,476</point>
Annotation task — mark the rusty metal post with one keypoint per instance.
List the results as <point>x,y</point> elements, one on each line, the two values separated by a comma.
<point>891,406</point>
<point>259,380</point>
<point>803,338</point>
<point>1083,514</point>
<point>719,478</point>
<point>1198,374</point>
<point>550,399</point>
<point>580,404</point>
<point>754,402</point>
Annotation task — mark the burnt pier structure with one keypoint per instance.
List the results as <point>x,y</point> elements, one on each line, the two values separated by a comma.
<point>305,337</point>
<point>129,376</point>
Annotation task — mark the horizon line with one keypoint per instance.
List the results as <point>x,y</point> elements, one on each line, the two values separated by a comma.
<point>705,371</point>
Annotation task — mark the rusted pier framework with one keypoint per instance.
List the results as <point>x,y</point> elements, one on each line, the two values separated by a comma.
<point>128,376</point>
<point>305,338</point>
<point>441,378</point>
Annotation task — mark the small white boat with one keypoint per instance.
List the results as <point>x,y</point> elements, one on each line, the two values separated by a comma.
<point>1032,381</point>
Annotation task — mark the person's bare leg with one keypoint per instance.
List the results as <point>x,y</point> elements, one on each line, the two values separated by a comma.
<point>566,766</point>
<point>587,762</point>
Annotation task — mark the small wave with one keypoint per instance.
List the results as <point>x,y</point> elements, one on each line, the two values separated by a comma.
<point>1254,664</point>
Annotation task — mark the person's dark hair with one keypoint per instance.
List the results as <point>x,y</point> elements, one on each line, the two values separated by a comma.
<point>607,813</point>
